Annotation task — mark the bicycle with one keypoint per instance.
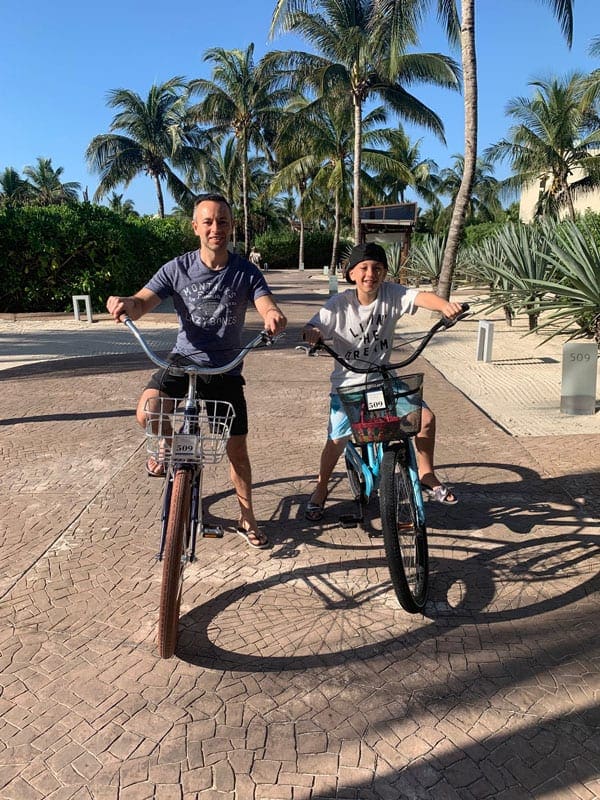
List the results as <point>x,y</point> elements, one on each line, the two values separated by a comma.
<point>184,440</point>
<point>384,415</point>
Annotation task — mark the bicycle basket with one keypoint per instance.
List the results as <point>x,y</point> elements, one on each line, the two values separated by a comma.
<point>384,410</point>
<point>174,437</point>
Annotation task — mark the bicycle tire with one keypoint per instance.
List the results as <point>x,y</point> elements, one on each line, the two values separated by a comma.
<point>357,482</point>
<point>404,538</point>
<point>173,562</point>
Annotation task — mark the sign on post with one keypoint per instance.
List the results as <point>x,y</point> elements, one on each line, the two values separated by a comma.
<point>485,339</point>
<point>579,378</point>
<point>333,284</point>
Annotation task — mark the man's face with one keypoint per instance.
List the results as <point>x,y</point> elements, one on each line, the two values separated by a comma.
<point>212,224</point>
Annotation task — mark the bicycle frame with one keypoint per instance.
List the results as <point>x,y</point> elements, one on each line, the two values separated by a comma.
<point>190,427</point>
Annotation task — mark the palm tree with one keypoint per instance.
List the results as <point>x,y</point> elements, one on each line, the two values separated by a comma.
<point>483,205</point>
<point>46,187</point>
<point>404,168</point>
<point>120,206</point>
<point>14,190</point>
<point>554,139</point>
<point>318,144</point>
<point>157,138</point>
<point>242,98</point>
<point>362,48</point>
<point>447,11</point>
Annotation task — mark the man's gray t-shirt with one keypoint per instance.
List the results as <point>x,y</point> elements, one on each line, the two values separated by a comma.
<point>211,305</point>
<point>362,335</point>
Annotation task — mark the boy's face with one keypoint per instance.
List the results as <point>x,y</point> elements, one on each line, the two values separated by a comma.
<point>368,276</point>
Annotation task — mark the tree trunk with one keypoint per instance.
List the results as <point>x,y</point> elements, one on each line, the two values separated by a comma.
<point>356,168</point>
<point>159,195</point>
<point>461,204</point>
<point>336,233</point>
<point>245,195</point>
<point>301,247</point>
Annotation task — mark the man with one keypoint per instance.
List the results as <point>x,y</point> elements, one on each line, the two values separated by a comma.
<point>211,290</point>
<point>361,324</point>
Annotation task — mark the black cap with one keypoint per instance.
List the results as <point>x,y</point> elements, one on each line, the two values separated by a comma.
<point>369,251</point>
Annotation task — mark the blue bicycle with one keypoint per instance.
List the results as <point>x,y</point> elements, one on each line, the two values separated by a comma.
<point>384,414</point>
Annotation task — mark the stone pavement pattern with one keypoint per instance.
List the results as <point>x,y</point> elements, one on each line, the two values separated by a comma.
<point>296,674</point>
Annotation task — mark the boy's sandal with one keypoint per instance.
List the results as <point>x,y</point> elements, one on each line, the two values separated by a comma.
<point>255,537</point>
<point>314,512</point>
<point>440,494</point>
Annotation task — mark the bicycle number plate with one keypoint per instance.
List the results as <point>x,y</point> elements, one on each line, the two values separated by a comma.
<point>375,400</point>
<point>184,445</point>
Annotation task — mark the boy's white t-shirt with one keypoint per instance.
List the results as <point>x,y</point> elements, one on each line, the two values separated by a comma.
<point>362,335</point>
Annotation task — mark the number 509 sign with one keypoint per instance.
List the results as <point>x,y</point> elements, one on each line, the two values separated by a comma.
<point>579,378</point>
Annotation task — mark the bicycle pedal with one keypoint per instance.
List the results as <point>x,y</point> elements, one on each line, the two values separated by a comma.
<point>212,533</point>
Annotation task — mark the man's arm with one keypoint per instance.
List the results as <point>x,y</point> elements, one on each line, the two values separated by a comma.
<point>433,302</point>
<point>135,306</point>
<point>273,318</point>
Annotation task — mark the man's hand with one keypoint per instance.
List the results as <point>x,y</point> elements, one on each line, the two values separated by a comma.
<point>118,306</point>
<point>275,320</point>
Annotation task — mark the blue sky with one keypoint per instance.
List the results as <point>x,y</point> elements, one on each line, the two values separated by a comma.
<point>58,61</point>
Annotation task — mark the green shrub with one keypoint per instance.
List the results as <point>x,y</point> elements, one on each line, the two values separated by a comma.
<point>48,254</point>
<point>280,249</point>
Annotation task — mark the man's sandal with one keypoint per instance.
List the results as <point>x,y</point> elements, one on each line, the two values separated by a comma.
<point>440,494</point>
<point>155,469</point>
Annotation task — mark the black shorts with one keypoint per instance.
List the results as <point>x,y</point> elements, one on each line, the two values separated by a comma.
<point>218,387</point>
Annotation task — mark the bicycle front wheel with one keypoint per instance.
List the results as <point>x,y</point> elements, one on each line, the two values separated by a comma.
<point>404,538</point>
<point>176,536</point>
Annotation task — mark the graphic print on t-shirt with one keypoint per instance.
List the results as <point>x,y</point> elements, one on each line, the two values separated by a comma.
<point>209,305</point>
<point>367,339</point>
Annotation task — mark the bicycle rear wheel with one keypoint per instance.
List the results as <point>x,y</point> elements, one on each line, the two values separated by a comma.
<point>404,538</point>
<point>176,537</point>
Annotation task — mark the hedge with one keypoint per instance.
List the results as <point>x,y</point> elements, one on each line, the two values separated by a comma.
<point>48,254</point>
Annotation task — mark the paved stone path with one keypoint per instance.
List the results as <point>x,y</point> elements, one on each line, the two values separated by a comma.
<point>296,676</point>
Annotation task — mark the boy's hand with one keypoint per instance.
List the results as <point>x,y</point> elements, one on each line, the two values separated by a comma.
<point>451,310</point>
<point>311,335</point>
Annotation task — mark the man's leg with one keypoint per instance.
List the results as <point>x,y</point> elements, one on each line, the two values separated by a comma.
<point>149,402</point>
<point>241,477</point>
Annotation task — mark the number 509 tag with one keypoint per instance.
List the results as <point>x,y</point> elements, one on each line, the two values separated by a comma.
<point>375,400</point>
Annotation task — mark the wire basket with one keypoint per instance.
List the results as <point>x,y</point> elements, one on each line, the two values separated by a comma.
<point>385,410</point>
<point>172,437</point>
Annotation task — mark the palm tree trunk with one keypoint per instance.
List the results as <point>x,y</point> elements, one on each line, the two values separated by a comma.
<point>245,195</point>
<point>356,168</point>
<point>301,245</point>
<point>461,204</point>
<point>159,194</point>
<point>336,233</point>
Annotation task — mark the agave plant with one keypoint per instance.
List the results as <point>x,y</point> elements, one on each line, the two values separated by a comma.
<point>516,262</point>
<point>572,293</point>
<point>485,264</point>
<point>425,259</point>
<point>395,271</point>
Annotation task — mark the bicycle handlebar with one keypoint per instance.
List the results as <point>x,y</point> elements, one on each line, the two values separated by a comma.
<point>444,322</point>
<point>264,337</point>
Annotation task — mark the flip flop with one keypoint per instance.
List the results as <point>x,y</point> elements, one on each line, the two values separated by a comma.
<point>260,539</point>
<point>440,494</point>
<point>159,470</point>
<point>314,512</point>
